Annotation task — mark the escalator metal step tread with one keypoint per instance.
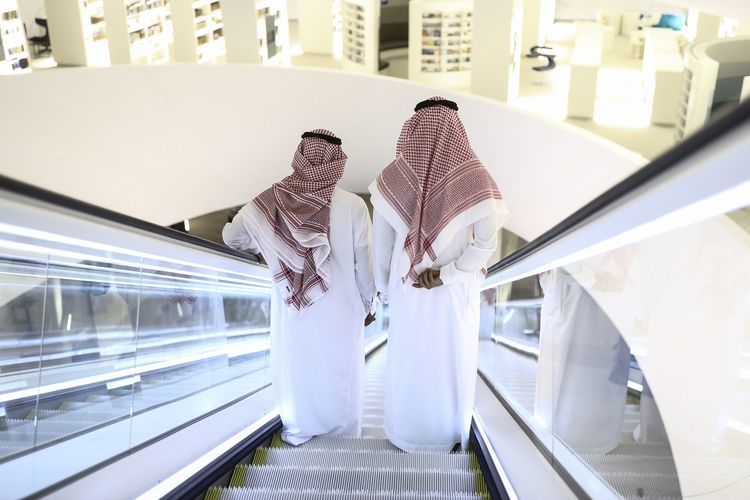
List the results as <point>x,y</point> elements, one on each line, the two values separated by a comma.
<point>306,494</point>
<point>608,464</point>
<point>27,438</point>
<point>381,459</point>
<point>639,485</point>
<point>53,426</point>
<point>351,478</point>
<point>340,443</point>
<point>643,449</point>
<point>373,431</point>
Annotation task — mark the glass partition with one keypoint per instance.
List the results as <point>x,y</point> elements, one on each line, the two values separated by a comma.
<point>632,367</point>
<point>94,332</point>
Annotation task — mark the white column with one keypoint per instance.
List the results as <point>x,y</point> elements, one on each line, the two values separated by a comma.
<point>708,27</point>
<point>183,25</point>
<point>316,26</point>
<point>496,47</point>
<point>538,17</point>
<point>241,31</point>
<point>66,20</point>
<point>118,38</point>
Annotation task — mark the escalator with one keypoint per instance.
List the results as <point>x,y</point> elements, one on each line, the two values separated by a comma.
<point>120,339</point>
<point>348,467</point>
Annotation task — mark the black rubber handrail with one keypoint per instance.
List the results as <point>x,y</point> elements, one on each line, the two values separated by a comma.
<point>40,194</point>
<point>665,162</point>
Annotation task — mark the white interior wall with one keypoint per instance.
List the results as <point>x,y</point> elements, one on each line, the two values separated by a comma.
<point>134,139</point>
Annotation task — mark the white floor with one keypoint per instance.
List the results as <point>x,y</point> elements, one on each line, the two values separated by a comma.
<point>621,113</point>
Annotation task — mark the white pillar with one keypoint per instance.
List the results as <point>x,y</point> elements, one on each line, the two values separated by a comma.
<point>118,37</point>
<point>316,26</point>
<point>708,27</point>
<point>538,17</point>
<point>531,34</point>
<point>66,21</point>
<point>496,47</point>
<point>241,31</point>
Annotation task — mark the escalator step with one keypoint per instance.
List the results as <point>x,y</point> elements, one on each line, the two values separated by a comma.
<point>643,449</point>
<point>353,479</point>
<point>640,485</point>
<point>338,443</point>
<point>302,494</point>
<point>54,426</point>
<point>373,431</point>
<point>381,459</point>
<point>612,464</point>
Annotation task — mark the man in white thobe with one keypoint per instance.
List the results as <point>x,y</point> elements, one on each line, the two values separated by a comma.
<point>316,240</point>
<point>584,365</point>
<point>437,216</point>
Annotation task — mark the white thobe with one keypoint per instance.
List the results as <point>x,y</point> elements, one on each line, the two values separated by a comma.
<point>433,337</point>
<point>583,368</point>
<point>317,354</point>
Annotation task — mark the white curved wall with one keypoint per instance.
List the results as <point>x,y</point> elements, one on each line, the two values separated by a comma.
<point>167,142</point>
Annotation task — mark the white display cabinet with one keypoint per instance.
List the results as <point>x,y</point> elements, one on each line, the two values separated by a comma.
<point>137,30</point>
<point>14,49</point>
<point>440,42</point>
<point>198,31</point>
<point>338,29</point>
<point>78,32</point>
<point>360,25</point>
<point>273,32</point>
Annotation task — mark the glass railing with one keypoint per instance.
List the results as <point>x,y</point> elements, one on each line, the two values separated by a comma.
<point>627,358</point>
<point>106,326</point>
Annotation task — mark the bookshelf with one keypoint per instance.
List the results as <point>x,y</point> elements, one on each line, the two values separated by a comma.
<point>14,49</point>
<point>78,32</point>
<point>273,32</point>
<point>137,31</point>
<point>440,42</point>
<point>198,31</point>
<point>360,25</point>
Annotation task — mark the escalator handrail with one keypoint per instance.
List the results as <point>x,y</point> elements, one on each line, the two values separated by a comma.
<point>40,194</point>
<point>662,164</point>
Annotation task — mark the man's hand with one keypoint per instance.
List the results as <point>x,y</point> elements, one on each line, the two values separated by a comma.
<point>430,278</point>
<point>370,319</point>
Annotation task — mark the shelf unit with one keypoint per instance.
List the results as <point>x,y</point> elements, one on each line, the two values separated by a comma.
<point>138,31</point>
<point>198,31</point>
<point>440,42</point>
<point>360,22</point>
<point>273,32</point>
<point>338,29</point>
<point>14,49</point>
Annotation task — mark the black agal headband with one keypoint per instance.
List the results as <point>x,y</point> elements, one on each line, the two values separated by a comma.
<point>431,102</point>
<point>325,137</point>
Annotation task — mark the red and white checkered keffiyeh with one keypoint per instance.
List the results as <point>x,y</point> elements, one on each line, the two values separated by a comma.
<point>296,220</point>
<point>434,188</point>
